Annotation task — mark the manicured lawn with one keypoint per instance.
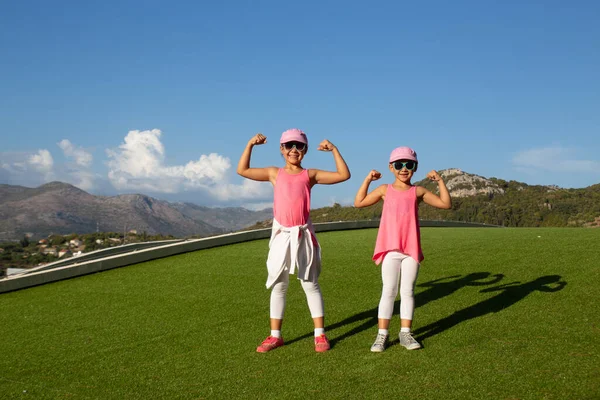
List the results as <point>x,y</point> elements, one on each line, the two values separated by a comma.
<point>502,314</point>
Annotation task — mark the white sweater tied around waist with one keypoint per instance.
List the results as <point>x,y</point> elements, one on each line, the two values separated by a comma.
<point>293,247</point>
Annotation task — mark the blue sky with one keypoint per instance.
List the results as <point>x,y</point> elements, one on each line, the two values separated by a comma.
<point>161,97</point>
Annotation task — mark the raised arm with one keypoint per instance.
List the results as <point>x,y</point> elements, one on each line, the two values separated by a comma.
<point>256,174</point>
<point>364,199</point>
<point>341,174</point>
<point>443,200</point>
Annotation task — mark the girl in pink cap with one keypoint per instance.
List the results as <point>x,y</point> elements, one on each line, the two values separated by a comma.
<point>398,246</point>
<point>293,243</point>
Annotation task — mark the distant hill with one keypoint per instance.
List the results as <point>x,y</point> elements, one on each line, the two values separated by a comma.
<point>490,201</point>
<point>60,208</point>
<point>516,204</point>
<point>228,218</point>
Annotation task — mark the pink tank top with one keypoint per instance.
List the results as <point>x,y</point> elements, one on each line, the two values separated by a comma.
<point>291,201</point>
<point>399,225</point>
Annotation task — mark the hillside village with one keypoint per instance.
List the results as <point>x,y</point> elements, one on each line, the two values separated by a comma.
<point>73,247</point>
<point>27,254</point>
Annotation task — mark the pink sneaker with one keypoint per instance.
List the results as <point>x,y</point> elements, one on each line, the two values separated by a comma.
<point>270,343</point>
<point>321,344</point>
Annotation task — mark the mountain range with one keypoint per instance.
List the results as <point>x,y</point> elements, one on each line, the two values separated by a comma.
<point>60,208</point>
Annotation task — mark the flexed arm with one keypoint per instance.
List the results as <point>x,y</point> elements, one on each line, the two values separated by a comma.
<point>342,172</point>
<point>256,174</point>
<point>362,199</point>
<point>443,201</point>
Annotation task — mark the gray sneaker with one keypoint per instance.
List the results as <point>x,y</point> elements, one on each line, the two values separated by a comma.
<point>408,341</point>
<point>380,343</point>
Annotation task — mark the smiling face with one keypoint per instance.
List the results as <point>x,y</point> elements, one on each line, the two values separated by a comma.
<point>291,154</point>
<point>407,169</point>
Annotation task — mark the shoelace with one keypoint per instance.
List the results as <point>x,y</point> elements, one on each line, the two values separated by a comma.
<point>409,337</point>
<point>380,339</point>
<point>270,340</point>
<point>321,339</point>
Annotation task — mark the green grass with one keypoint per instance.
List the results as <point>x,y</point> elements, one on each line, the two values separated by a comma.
<point>502,314</point>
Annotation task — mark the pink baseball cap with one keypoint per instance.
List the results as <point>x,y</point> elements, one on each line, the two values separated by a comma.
<point>403,153</point>
<point>293,135</point>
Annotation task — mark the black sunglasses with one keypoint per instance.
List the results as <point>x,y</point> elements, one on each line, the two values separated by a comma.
<point>409,165</point>
<point>297,145</point>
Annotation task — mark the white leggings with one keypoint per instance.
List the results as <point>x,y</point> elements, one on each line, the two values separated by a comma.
<point>398,268</point>
<point>312,291</point>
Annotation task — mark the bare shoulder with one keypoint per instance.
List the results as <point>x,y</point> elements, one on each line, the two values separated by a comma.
<point>315,173</point>
<point>270,170</point>
<point>273,171</point>
<point>381,190</point>
<point>421,191</point>
<point>312,172</point>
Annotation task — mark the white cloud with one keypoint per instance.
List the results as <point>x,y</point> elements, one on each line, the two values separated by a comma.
<point>555,159</point>
<point>258,206</point>
<point>26,168</point>
<point>34,169</point>
<point>81,157</point>
<point>209,168</point>
<point>42,161</point>
<point>78,173</point>
<point>84,180</point>
<point>248,190</point>
<point>139,164</point>
<point>12,167</point>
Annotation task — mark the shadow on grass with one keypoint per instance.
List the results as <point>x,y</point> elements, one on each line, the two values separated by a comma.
<point>437,289</point>
<point>510,294</point>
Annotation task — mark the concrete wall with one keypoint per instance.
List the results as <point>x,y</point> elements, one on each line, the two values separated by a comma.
<point>110,251</point>
<point>130,254</point>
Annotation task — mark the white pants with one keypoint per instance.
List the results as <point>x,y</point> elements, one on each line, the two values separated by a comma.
<point>312,291</point>
<point>398,268</point>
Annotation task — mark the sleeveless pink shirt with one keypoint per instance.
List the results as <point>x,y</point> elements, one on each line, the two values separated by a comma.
<point>399,226</point>
<point>291,200</point>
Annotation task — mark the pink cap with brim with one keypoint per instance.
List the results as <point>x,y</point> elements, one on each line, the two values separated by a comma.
<point>293,135</point>
<point>403,153</point>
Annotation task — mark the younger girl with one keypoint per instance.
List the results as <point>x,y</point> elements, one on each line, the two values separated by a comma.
<point>293,242</point>
<point>398,246</point>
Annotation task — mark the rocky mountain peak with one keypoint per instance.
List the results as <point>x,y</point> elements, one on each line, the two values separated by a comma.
<point>463,184</point>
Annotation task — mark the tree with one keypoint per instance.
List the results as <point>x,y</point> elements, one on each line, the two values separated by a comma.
<point>24,242</point>
<point>57,240</point>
